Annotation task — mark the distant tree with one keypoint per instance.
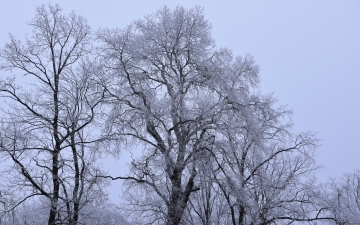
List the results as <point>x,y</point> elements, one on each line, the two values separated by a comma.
<point>341,197</point>
<point>35,212</point>
<point>50,113</point>
<point>186,104</point>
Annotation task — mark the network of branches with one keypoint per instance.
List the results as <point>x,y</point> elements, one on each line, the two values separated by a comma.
<point>208,146</point>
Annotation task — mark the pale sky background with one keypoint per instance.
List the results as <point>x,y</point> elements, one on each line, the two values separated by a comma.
<point>308,52</point>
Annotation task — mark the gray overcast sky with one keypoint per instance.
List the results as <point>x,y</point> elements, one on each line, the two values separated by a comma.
<point>308,52</point>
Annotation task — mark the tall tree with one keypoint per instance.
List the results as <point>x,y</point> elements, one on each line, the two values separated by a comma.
<point>187,104</point>
<point>52,103</point>
<point>163,69</point>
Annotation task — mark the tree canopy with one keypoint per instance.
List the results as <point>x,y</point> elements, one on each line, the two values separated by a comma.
<point>213,148</point>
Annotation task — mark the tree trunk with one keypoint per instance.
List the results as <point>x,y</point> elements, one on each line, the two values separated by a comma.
<point>56,186</point>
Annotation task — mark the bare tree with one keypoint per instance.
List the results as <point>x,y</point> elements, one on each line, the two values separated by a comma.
<point>263,170</point>
<point>260,168</point>
<point>163,70</point>
<point>181,101</point>
<point>52,107</point>
<point>341,198</point>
